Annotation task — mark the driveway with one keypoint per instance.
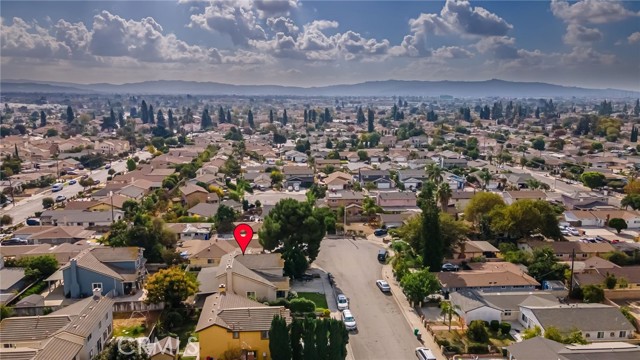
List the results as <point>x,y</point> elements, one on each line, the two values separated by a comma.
<point>383,332</point>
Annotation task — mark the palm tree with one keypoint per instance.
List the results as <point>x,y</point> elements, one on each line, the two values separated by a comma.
<point>434,173</point>
<point>443,194</point>
<point>448,309</point>
<point>486,177</point>
<point>533,184</point>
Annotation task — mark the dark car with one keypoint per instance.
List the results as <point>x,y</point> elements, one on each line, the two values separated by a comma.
<point>15,241</point>
<point>380,232</point>
<point>96,182</point>
<point>449,267</point>
<point>382,255</point>
<point>33,222</point>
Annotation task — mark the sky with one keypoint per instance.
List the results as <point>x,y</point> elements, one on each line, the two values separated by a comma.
<point>587,43</point>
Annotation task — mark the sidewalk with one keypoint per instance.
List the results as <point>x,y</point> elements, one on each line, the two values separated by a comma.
<point>410,313</point>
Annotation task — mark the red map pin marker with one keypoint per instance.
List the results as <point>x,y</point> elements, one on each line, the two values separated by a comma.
<point>243,234</point>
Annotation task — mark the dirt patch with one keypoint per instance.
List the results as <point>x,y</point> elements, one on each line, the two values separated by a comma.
<point>137,320</point>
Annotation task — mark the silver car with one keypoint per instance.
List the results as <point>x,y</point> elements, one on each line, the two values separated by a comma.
<point>383,286</point>
<point>343,302</point>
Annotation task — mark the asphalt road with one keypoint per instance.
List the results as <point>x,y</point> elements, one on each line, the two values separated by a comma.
<point>383,332</point>
<point>27,207</point>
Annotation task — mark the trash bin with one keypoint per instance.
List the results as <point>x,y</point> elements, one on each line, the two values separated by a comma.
<point>416,331</point>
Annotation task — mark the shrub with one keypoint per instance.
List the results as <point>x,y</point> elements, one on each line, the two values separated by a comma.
<point>478,332</point>
<point>172,319</point>
<point>280,302</point>
<point>505,328</point>
<point>476,348</point>
<point>443,342</point>
<point>292,295</point>
<point>494,325</point>
<point>302,306</point>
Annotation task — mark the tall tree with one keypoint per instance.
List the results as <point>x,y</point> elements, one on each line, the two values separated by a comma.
<point>636,108</point>
<point>228,118</point>
<point>43,118</point>
<point>431,237</point>
<point>338,340</point>
<point>370,119</point>
<point>284,118</point>
<point>171,121</point>
<point>171,286</point>
<point>121,122</point>
<point>279,339</point>
<point>250,119</point>
<point>634,134</point>
<point>296,330</point>
<point>144,112</point>
<point>322,338</point>
<point>444,194</point>
<point>112,119</point>
<point>206,122</point>
<point>306,116</point>
<point>221,115</point>
<point>435,173</point>
<point>327,115</point>
<point>151,115</point>
<point>309,339</point>
<point>271,116</point>
<point>70,115</point>
<point>360,116</point>
<point>161,122</point>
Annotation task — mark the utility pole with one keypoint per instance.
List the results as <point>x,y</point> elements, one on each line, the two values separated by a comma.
<point>111,196</point>
<point>573,259</point>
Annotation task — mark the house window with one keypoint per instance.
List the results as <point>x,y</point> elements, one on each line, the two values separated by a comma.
<point>623,334</point>
<point>251,294</point>
<point>507,313</point>
<point>106,316</point>
<point>96,286</point>
<point>281,294</point>
<point>99,345</point>
<point>9,346</point>
<point>587,335</point>
<point>236,335</point>
<point>104,335</point>
<point>524,318</point>
<point>209,261</point>
<point>109,328</point>
<point>264,335</point>
<point>600,334</point>
<point>89,337</point>
<point>612,334</point>
<point>99,324</point>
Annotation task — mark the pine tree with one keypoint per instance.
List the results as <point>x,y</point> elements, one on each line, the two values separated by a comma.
<point>634,134</point>
<point>161,123</point>
<point>327,115</point>
<point>221,117</point>
<point>271,116</point>
<point>144,112</point>
<point>306,116</point>
<point>360,118</point>
<point>433,247</point>
<point>314,115</point>
<point>636,108</point>
<point>112,119</point>
<point>370,119</point>
<point>296,331</point>
<point>279,346</point>
<point>284,118</point>
<point>151,115</point>
<point>70,115</point>
<point>206,120</point>
<point>171,121</point>
<point>250,120</point>
<point>322,338</point>
<point>309,339</point>
<point>15,152</point>
<point>43,119</point>
<point>537,113</point>
<point>121,121</point>
<point>228,118</point>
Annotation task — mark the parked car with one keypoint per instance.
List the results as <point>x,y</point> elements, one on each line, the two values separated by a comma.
<point>56,187</point>
<point>450,267</point>
<point>96,182</point>
<point>72,182</point>
<point>108,166</point>
<point>343,302</point>
<point>85,176</point>
<point>33,222</point>
<point>296,187</point>
<point>331,279</point>
<point>383,286</point>
<point>306,277</point>
<point>382,255</point>
<point>424,353</point>
<point>15,241</point>
<point>60,198</point>
<point>380,232</point>
<point>574,232</point>
<point>349,320</point>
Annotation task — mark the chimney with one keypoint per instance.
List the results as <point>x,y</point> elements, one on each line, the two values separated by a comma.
<point>229,271</point>
<point>97,293</point>
<point>222,289</point>
<point>75,287</point>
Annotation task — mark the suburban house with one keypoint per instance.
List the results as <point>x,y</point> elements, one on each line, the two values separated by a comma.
<point>11,282</point>
<point>338,181</point>
<point>204,210</point>
<point>600,218</point>
<point>475,249</point>
<point>394,220</point>
<point>584,200</point>
<point>502,306</point>
<point>519,181</point>
<point>336,199</point>
<point>120,270</point>
<point>259,179</point>
<point>256,276</point>
<point>596,322</point>
<point>298,175</point>
<point>210,254</point>
<point>496,280</point>
<point>396,201</point>
<point>460,199</point>
<point>564,249</point>
<point>193,194</point>
<point>86,219</point>
<point>543,348</point>
<point>512,196</point>
<point>295,156</point>
<point>230,321</point>
<point>380,178</point>
<point>76,332</point>
<point>191,231</point>
<point>412,179</point>
<point>628,278</point>
<point>54,234</point>
<point>448,163</point>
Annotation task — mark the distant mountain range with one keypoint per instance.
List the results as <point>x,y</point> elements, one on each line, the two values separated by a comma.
<point>488,88</point>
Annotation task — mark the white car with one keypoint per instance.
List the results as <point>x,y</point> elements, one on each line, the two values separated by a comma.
<point>349,320</point>
<point>574,232</point>
<point>424,354</point>
<point>383,286</point>
<point>343,302</point>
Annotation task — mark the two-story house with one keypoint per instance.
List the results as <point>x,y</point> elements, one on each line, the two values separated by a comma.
<point>412,179</point>
<point>301,176</point>
<point>338,181</point>
<point>380,178</point>
<point>193,194</point>
<point>396,201</point>
<point>120,270</point>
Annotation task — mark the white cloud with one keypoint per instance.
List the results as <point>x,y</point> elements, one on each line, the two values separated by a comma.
<point>591,11</point>
<point>450,53</point>
<point>30,40</point>
<point>634,38</point>
<point>282,25</point>
<point>577,34</point>
<point>587,56</point>
<point>274,7</point>
<point>236,19</point>
<point>501,47</point>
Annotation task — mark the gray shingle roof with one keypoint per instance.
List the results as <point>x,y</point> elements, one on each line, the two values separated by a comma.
<point>27,328</point>
<point>59,348</point>
<point>238,313</point>
<point>585,317</point>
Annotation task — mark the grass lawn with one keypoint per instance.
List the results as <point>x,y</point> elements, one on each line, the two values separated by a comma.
<point>319,299</point>
<point>185,330</point>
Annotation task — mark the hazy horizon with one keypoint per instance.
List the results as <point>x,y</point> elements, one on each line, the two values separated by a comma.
<point>589,43</point>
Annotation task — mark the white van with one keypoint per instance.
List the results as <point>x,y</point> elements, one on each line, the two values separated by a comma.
<point>424,354</point>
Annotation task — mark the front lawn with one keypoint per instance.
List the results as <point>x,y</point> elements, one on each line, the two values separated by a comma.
<point>319,299</point>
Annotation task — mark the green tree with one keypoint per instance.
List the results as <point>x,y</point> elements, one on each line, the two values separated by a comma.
<point>231,167</point>
<point>131,164</point>
<point>281,230</point>
<point>481,204</point>
<point>592,179</point>
<point>296,329</point>
<point>545,266</point>
<point>160,120</point>
<point>478,332</point>
<point>592,294</point>
<point>530,333</point>
<point>447,309</point>
<point>36,267</point>
<point>309,339</point>
<point>5,311</point>
<point>418,285</point>
<point>271,116</point>
<point>444,194</point>
<point>435,173</point>
<point>322,338</point>
<point>6,220</point>
<point>47,202</point>
<point>144,112</point>
<point>610,281</point>
<point>618,224</point>
<point>538,144</point>
<point>370,120</point>
<point>151,115</point>
<point>70,115</point>
<point>632,200</point>
<point>526,217</point>
<point>224,218</point>
<point>276,177</point>
<point>43,118</point>
<point>171,286</point>
<point>205,121</point>
<point>279,339</point>
<point>250,119</point>
<point>170,120</point>
<point>338,340</point>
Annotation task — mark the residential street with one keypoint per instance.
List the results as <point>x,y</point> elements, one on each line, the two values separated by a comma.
<point>27,207</point>
<point>383,332</point>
